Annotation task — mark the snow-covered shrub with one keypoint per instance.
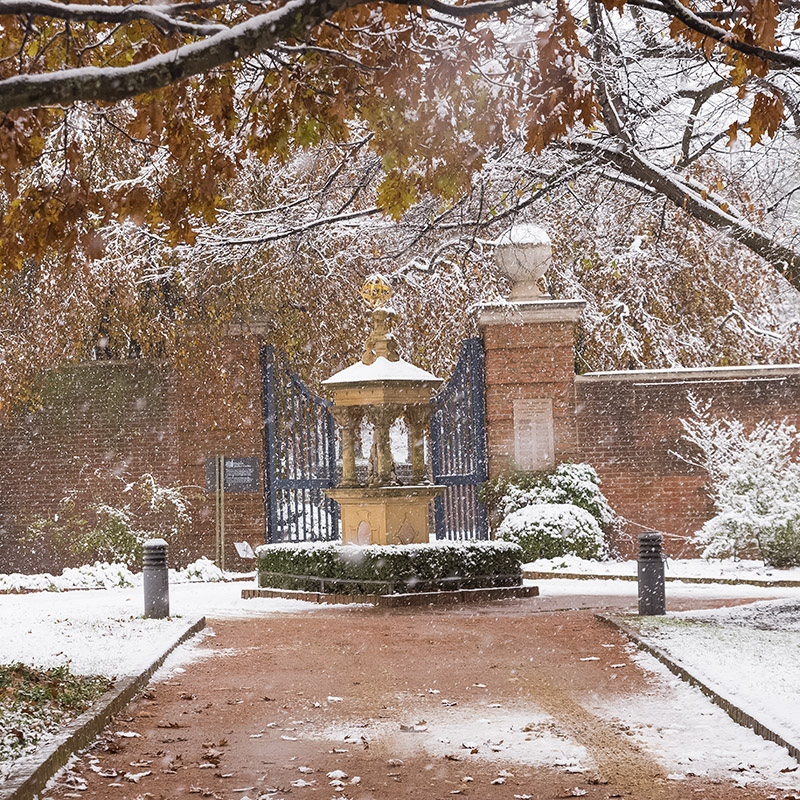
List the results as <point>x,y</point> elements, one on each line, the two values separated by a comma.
<point>389,569</point>
<point>567,486</point>
<point>755,486</point>
<point>100,575</point>
<point>115,531</point>
<point>549,530</point>
<point>204,569</point>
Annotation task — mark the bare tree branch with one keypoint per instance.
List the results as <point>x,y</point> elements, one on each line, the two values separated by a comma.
<point>111,84</point>
<point>163,17</point>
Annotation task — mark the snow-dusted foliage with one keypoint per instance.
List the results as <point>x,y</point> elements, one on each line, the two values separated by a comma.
<point>548,530</point>
<point>389,569</point>
<point>575,484</point>
<point>643,211</point>
<point>556,512</point>
<point>755,486</point>
<point>203,569</point>
<point>102,575</point>
<point>115,532</point>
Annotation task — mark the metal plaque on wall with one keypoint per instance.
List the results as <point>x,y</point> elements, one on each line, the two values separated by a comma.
<point>241,474</point>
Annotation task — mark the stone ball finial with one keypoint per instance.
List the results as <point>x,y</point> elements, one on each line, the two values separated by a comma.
<point>523,253</point>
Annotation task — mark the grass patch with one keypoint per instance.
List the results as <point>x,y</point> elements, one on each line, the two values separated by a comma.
<point>37,702</point>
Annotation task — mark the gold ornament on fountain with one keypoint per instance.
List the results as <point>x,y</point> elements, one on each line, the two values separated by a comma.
<point>380,342</point>
<point>376,291</point>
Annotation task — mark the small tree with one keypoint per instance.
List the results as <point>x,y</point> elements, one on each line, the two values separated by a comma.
<point>755,486</point>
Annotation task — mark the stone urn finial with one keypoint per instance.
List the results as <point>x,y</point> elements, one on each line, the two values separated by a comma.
<point>523,253</point>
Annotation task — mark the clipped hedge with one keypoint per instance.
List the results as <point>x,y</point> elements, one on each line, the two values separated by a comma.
<point>389,569</point>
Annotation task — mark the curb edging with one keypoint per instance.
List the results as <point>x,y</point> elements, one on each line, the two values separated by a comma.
<point>37,768</point>
<point>533,575</point>
<point>736,713</point>
<point>396,600</point>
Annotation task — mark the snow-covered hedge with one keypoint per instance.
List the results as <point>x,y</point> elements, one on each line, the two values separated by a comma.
<point>548,530</point>
<point>389,569</point>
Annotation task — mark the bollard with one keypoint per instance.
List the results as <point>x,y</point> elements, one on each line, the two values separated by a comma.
<point>156,579</point>
<point>652,598</point>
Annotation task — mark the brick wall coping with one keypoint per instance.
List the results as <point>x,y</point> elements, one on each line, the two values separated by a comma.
<point>680,374</point>
<point>528,311</point>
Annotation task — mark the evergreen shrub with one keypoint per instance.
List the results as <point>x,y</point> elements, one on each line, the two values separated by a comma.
<point>389,569</point>
<point>555,512</point>
<point>550,530</point>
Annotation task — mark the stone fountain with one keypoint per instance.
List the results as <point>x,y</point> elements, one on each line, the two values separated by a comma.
<point>382,388</point>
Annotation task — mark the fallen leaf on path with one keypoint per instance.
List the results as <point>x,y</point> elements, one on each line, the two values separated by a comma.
<point>204,792</point>
<point>213,755</point>
<point>337,774</point>
<point>135,777</point>
<point>168,724</point>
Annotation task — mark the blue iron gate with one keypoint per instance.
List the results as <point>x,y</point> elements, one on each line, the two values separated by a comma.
<point>458,448</point>
<point>299,456</point>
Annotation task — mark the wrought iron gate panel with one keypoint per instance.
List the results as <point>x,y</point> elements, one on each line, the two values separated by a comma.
<point>299,456</point>
<point>458,448</point>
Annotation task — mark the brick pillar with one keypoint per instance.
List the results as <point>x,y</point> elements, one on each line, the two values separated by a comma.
<point>530,383</point>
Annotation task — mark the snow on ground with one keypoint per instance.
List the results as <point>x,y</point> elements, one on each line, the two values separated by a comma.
<point>750,656</point>
<point>102,631</point>
<point>499,735</point>
<point>725,569</point>
<point>557,587</point>
<point>690,736</point>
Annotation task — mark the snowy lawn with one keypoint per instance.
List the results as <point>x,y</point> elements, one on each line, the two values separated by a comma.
<point>36,703</point>
<point>102,632</point>
<point>717,569</point>
<point>748,654</point>
<point>97,632</point>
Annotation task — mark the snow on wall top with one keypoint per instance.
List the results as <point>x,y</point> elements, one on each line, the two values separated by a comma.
<point>524,233</point>
<point>381,370</point>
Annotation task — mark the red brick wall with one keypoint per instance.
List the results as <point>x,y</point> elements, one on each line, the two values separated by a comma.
<point>629,430</point>
<point>625,424</point>
<point>105,420</point>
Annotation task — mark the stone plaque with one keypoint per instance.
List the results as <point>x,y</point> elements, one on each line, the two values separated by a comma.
<point>241,474</point>
<point>534,445</point>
